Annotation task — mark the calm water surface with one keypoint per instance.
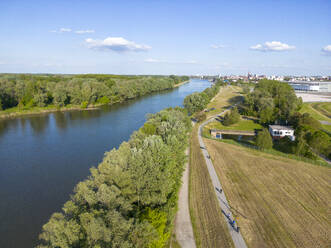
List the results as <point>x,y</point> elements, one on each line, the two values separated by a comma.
<point>43,157</point>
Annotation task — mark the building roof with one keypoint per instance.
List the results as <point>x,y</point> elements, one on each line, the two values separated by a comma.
<point>279,127</point>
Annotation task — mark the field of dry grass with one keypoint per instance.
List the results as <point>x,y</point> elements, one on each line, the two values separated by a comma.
<point>209,226</point>
<point>227,96</point>
<point>277,202</point>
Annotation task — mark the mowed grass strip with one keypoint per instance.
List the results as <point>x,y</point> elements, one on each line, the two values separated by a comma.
<point>243,125</point>
<point>277,202</point>
<point>209,225</point>
<point>319,112</point>
<point>307,108</point>
<point>323,107</point>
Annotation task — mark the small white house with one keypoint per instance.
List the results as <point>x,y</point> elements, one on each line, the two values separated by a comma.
<point>278,132</point>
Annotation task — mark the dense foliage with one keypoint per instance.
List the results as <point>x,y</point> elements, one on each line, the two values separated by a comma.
<point>310,138</point>
<point>264,140</point>
<point>271,101</point>
<point>26,90</point>
<point>130,198</point>
<point>200,116</point>
<point>231,117</point>
<point>198,101</point>
<point>274,101</point>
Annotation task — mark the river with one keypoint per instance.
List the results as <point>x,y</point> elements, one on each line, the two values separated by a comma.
<point>43,157</point>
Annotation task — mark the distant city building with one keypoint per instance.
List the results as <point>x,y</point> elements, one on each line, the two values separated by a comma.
<point>311,86</point>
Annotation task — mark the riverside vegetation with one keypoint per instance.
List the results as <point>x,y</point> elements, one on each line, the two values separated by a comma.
<point>276,102</point>
<point>130,199</point>
<point>28,92</point>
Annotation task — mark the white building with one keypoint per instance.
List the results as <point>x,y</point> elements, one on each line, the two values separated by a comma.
<point>278,132</point>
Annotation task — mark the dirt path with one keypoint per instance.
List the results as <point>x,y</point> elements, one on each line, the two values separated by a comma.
<point>183,225</point>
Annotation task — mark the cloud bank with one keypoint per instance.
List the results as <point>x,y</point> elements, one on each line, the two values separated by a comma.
<point>272,46</point>
<point>117,44</point>
<point>62,30</point>
<point>151,60</point>
<point>84,31</point>
<point>217,46</point>
<point>327,50</point>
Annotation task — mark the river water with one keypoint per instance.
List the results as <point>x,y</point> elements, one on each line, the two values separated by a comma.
<point>43,157</point>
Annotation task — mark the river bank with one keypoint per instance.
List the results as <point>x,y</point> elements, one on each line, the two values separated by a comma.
<point>16,112</point>
<point>39,151</point>
<point>180,84</point>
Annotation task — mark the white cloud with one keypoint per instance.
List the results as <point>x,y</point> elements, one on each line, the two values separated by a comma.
<point>151,60</point>
<point>62,30</point>
<point>217,46</point>
<point>270,46</point>
<point>117,44</point>
<point>65,30</point>
<point>327,50</point>
<point>89,31</point>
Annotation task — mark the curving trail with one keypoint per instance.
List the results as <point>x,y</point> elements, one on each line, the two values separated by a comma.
<point>236,236</point>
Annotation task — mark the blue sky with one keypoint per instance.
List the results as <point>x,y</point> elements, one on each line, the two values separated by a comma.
<point>166,37</point>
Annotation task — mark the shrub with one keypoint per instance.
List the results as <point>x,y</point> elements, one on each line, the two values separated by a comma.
<point>84,105</point>
<point>232,117</point>
<point>104,100</point>
<point>264,140</point>
<point>201,116</point>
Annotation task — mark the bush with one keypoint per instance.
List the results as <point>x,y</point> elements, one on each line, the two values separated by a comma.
<point>104,100</point>
<point>232,117</point>
<point>264,140</point>
<point>84,105</point>
<point>201,116</point>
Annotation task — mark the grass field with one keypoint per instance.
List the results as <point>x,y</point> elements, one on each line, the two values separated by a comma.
<point>319,112</point>
<point>277,202</point>
<point>307,108</point>
<point>227,96</point>
<point>244,125</point>
<point>323,107</point>
<point>209,226</point>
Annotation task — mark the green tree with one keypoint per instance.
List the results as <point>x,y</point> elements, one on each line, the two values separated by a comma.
<point>195,102</point>
<point>319,141</point>
<point>60,95</point>
<point>201,116</point>
<point>264,140</point>
<point>232,117</point>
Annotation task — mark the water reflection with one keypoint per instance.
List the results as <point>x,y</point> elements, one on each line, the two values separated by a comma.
<point>39,124</point>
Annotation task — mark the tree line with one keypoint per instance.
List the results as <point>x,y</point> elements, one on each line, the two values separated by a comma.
<point>276,102</point>
<point>130,199</point>
<point>25,91</point>
<point>198,101</point>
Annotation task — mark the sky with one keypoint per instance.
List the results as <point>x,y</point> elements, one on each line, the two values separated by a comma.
<point>166,37</point>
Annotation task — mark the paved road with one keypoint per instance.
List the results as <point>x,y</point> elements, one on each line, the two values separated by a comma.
<point>236,236</point>
<point>183,225</point>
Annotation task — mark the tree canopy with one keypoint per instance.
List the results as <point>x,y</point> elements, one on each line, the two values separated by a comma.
<point>198,101</point>
<point>272,100</point>
<point>129,200</point>
<point>28,90</point>
<point>264,140</point>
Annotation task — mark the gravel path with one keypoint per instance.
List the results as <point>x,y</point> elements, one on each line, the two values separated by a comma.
<point>225,207</point>
<point>183,225</point>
